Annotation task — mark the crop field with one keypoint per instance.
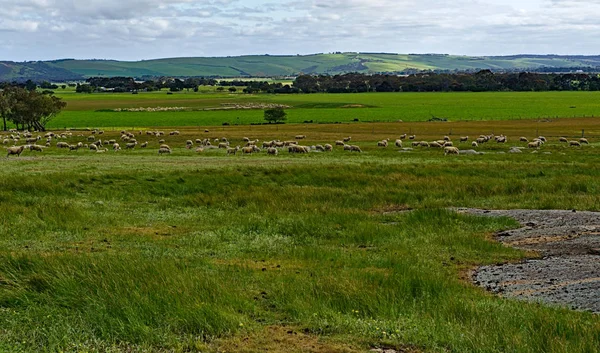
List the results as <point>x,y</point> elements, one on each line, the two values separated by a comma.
<point>130,251</point>
<point>209,108</point>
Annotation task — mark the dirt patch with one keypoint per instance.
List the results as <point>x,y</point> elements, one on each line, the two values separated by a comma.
<point>568,272</point>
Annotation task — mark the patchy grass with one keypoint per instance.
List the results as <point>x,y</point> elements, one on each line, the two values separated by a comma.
<point>135,252</point>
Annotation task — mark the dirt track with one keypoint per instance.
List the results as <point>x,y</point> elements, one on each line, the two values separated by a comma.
<point>568,273</point>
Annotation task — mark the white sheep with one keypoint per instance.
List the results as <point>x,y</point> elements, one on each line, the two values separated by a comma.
<point>450,150</point>
<point>584,140</point>
<point>464,138</point>
<point>272,151</point>
<point>563,139</point>
<point>474,144</point>
<point>574,143</point>
<point>233,151</point>
<point>164,150</point>
<point>328,147</point>
<point>399,143</point>
<point>355,148</point>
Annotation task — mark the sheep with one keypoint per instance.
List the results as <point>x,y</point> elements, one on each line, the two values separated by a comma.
<point>435,144</point>
<point>320,148</point>
<point>165,146</point>
<point>206,130</point>
<point>474,144</point>
<point>233,150</point>
<point>31,140</point>
<point>534,144</point>
<point>501,139</point>
<point>382,143</point>
<point>250,149</point>
<point>416,144</point>
<point>339,143</point>
<point>164,150</point>
<point>412,137</point>
<point>37,148</point>
<point>102,150</point>
<point>464,138</point>
<point>584,140</point>
<point>189,143</point>
<point>272,151</point>
<point>403,137</point>
<point>198,141</point>
<point>93,147</point>
<point>355,148</point>
<point>424,144</point>
<point>298,149</point>
<point>245,139</point>
<point>450,150</point>
<point>112,141</point>
<point>5,141</point>
<point>144,145</point>
<point>91,138</point>
<point>131,145</point>
<point>563,139</point>
<point>199,150</point>
<point>116,147</point>
<point>328,147</point>
<point>224,139</point>
<point>173,133</point>
<point>347,139</point>
<point>448,144</point>
<point>446,138</point>
<point>575,144</point>
<point>399,143</point>
<point>73,147</point>
<point>347,147</point>
<point>481,140</point>
<point>542,138</point>
<point>289,143</point>
<point>161,141</point>
<point>223,145</point>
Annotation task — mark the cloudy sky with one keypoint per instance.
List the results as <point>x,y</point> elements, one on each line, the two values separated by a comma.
<point>146,29</point>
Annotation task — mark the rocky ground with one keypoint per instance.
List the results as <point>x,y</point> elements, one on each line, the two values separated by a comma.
<point>568,272</point>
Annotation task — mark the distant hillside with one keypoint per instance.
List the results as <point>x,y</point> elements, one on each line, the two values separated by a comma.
<point>275,65</point>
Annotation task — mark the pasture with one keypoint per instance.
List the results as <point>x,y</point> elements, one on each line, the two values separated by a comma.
<point>130,251</point>
<point>210,108</point>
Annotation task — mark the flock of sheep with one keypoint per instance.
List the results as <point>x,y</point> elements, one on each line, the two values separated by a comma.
<point>129,141</point>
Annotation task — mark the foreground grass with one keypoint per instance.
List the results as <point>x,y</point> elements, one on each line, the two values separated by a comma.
<point>82,110</point>
<point>132,252</point>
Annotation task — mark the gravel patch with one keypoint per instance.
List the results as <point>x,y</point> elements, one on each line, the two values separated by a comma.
<point>568,273</point>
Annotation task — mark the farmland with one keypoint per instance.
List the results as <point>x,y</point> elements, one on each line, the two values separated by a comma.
<point>95,110</point>
<point>130,251</point>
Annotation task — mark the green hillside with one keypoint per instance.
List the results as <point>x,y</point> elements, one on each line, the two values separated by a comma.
<point>274,65</point>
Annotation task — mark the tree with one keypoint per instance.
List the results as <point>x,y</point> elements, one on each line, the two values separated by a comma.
<point>29,109</point>
<point>232,89</point>
<point>275,115</point>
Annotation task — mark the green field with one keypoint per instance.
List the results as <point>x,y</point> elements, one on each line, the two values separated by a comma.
<point>83,110</point>
<point>192,251</point>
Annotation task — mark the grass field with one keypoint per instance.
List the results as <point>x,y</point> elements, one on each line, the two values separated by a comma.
<point>94,110</point>
<point>188,252</point>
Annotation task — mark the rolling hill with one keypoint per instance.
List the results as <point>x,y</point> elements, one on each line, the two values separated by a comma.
<point>282,65</point>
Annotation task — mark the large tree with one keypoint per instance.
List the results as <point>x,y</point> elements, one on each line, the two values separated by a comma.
<point>275,115</point>
<point>28,109</point>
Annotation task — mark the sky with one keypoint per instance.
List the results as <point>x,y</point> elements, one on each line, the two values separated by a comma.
<point>146,29</point>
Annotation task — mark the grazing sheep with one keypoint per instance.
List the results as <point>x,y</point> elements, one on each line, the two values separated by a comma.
<point>542,138</point>
<point>320,148</point>
<point>382,143</point>
<point>116,147</point>
<point>224,139</point>
<point>347,147</point>
<point>347,139</point>
<point>223,145</point>
<point>161,141</point>
<point>412,137</point>
<point>399,143</point>
<point>93,147</point>
<point>446,138</point>
<point>403,137</point>
<point>131,145</point>
<point>416,144</point>
<point>250,149</point>
<point>15,150</point>
<point>574,143</point>
<point>164,150</point>
<point>355,148</point>
<point>206,130</point>
<point>424,144</point>
<point>245,139</point>
<point>563,139</point>
<point>584,140</point>
<point>165,146</point>
<point>189,143</point>
<point>233,150</point>
<point>328,148</point>
<point>91,138</point>
<point>289,143</point>
<point>37,148</point>
<point>450,150</point>
<point>104,150</point>
<point>172,133</point>
<point>435,144</point>
<point>144,145</point>
<point>5,141</point>
<point>298,149</point>
<point>198,141</point>
<point>448,144</point>
<point>474,144</point>
<point>481,140</point>
<point>534,144</point>
<point>272,151</point>
<point>464,138</point>
<point>199,150</point>
<point>73,147</point>
<point>339,143</point>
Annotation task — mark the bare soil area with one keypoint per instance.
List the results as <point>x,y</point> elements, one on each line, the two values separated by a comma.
<point>568,272</point>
